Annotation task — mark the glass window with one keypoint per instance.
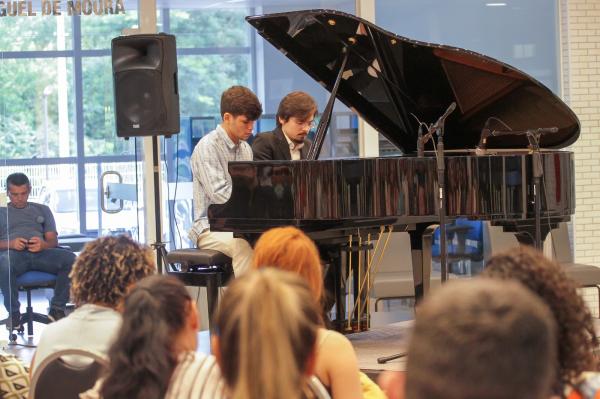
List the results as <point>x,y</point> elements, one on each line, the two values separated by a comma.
<point>37,105</point>
<point>36,33</point>
<point>210,28</point>
<point>523,34</point>
<point>206,77</point>
<point>96,33</point>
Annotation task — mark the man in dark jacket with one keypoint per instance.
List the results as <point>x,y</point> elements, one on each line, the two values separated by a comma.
<point>295,118</point>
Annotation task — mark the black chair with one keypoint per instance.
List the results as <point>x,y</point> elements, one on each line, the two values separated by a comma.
<point>201,268</point>
<point>66,373</point>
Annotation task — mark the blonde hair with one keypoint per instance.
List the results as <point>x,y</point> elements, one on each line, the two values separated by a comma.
<point>107,267</point>
<point>267,326</point>
<point>288,248</point>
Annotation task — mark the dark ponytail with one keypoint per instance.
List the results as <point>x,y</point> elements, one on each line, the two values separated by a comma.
<point>142,358</point>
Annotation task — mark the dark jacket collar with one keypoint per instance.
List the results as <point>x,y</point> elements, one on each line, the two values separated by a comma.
<point>278,132</point>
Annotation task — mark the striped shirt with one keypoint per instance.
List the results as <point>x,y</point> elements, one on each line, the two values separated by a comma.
<point>197,376</point>
<point>212,182</point>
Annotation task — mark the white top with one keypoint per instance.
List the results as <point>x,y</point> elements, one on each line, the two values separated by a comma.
<point>89,327</point>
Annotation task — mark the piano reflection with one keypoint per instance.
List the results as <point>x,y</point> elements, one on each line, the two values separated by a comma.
<point>393,82</point>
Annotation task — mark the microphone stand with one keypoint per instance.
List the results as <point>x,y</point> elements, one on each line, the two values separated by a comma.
<point>438,128</point>
<point>538,171</point>
<point>441,174</point>
<point>533,136</point>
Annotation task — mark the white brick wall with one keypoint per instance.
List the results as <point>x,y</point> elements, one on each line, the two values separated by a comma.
<point>580,59</point>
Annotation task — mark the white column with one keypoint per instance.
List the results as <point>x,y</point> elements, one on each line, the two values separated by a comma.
<point>368,137</point>
<point>147,24</point>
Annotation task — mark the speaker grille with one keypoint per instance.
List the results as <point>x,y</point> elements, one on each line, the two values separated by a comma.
<point>139,101</point>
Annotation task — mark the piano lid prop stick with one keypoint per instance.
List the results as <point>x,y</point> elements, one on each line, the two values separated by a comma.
<point>315,148</point>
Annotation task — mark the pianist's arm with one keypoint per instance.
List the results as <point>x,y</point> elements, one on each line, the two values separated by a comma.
<point>210,170</point>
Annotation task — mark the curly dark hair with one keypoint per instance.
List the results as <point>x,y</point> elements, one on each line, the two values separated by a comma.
<point>107,267</point>
<point>576,336</point>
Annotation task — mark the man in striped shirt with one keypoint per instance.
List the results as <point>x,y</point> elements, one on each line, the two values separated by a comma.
<point>240,108</point>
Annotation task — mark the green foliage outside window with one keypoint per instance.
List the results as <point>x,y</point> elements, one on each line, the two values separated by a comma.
<point>29,108</point>
<point>35,33</point>
<point>24,120</point>
<point>210,28</point>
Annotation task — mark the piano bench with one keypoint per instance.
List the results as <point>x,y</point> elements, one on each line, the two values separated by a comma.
<point>201,268</point>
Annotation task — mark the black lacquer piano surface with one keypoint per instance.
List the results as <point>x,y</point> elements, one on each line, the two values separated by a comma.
<point>392,81</point>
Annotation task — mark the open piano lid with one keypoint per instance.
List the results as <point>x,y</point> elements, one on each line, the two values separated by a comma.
<point>389,77</point>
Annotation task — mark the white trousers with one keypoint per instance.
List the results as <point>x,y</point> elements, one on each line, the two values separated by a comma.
<point>237,249</point>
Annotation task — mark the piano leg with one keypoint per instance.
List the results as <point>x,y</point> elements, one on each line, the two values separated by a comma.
<point>421,240</point>
<point>334,288</point>
<point>416,245</point>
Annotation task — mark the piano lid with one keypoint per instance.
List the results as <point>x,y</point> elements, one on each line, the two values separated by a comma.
<point>389,78</point>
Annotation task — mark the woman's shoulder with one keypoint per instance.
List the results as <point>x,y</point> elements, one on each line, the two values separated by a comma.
<point>334,350</point>
<point>332,339</point>
<point>196,376</point>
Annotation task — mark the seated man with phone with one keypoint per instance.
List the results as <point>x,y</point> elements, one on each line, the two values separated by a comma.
<point>29,241</point>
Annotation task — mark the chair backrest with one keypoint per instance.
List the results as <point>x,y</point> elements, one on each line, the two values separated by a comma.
<point>317,388</point>
<point>397,254</point>
<point>56,377</point>
<point>561,244</point>
<point>497,240</point>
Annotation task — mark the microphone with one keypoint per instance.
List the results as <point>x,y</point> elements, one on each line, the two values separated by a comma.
<point>543,130</point>
<point>538,131</point>
<point>442,118</point>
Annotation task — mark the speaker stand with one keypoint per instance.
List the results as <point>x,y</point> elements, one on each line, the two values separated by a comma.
<point>158,244</point>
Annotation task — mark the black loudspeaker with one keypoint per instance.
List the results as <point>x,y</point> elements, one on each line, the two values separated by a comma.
<point>145,84</point>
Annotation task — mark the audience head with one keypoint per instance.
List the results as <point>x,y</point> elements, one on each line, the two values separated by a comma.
<point>576,336</point>
<point>18,189</point>
<point>107,267</point>
<point>481,339</point>
<point>160,321</point>
<point>240,108</point>
<point>288,248</point>
<point>17,179</point>
<point>266,330</point>
<point>296,114</point>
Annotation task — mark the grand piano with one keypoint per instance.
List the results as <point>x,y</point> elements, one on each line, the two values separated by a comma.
<point>393,83</point>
